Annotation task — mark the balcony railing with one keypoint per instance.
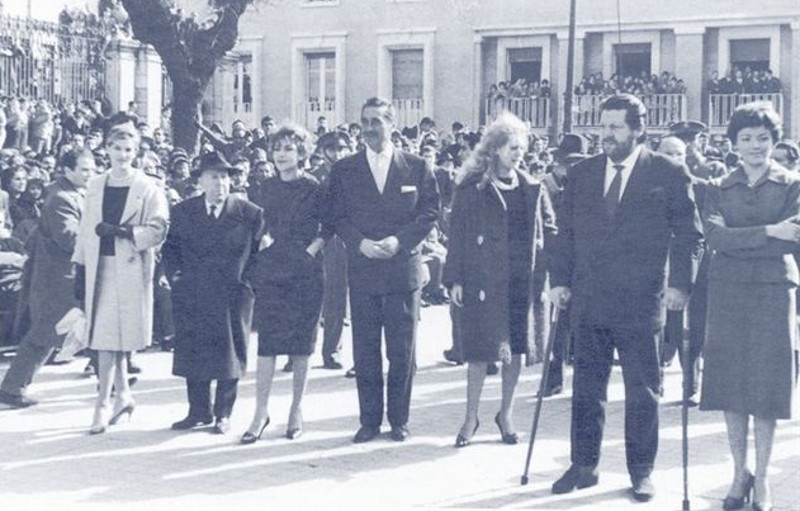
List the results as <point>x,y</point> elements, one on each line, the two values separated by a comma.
<point>721,106</point>
<point>408,112</point>
<point>534,110</point>
<point>662,109</point>
<point>309,111</point>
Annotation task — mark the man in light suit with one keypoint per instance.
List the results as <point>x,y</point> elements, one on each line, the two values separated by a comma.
<point>383,204</point>
<point>623,212</point>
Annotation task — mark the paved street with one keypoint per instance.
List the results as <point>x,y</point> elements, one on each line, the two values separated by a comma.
<point>48,461</point>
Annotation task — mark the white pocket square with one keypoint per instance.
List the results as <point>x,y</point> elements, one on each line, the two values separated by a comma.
<point>408,188</point>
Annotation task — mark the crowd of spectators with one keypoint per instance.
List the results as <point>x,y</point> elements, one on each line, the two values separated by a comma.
<point>643,84</point>
<point>745,81</point>
<point>519,89</point>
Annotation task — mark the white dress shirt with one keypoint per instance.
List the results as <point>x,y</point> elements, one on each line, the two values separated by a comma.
<point>217,208</point>
<point>628,163</point>
<point>379,164</point>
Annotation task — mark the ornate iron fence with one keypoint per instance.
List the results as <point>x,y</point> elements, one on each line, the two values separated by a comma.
<point>59,62</point>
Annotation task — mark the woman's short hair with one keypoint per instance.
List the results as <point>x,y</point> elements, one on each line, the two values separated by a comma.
<point>755,115</point>
<point>70,159</point>
<point>299,136</point>
<point>122,126</point>
<point>483,160</point>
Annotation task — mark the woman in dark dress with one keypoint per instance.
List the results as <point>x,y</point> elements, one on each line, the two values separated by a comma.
<point>751,224</point>
<point>287,277</point>
<point>490,263</point>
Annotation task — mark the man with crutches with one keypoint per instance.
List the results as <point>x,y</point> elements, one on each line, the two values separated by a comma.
<point>624,212</point>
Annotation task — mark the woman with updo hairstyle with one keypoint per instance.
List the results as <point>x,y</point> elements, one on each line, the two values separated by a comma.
<point>287,277</point>
<point>750,367</point>
<point>490,263</point>
<point>124,220</point>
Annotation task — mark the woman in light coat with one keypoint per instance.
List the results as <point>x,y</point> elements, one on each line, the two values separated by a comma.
<point>124,220</point>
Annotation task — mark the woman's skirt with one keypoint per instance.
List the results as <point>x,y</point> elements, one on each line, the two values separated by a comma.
<point>110,331</point>
<point>288,316</point>
<point>750,357</point>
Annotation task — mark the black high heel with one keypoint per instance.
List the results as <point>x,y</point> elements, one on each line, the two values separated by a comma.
<point>250,438</point>
<point>733,503</point>
<point>461,441</point>
<point>508,438</point>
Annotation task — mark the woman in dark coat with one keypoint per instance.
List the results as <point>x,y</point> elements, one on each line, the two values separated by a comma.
<point>750,365</point>
<point>287,277</point>
<point>490,263</point>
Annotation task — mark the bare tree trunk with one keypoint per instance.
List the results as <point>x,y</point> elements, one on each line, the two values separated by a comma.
<point>187,97</point>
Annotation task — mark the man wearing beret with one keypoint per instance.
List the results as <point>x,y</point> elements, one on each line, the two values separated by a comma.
<point>209,244</point>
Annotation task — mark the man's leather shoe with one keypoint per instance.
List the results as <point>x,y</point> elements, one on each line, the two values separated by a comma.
<point>192,422</point>
<point>492,369</point>
<point>16,401</point>
<point>365,434</point>
<point>351,373</point>
<point>452,356</point>
<point>552,390</point>
<point>222,426</point>
<point>289,367</point>
<point>576,477</point>
<point>332,364</point>
<point>643,489</point>
<point>400,433</point>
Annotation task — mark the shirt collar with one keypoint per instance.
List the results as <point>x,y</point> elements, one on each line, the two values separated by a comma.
<point>738,176</point>
<point>628,162</point>
<point>217,207</point>
<point>385,154</point>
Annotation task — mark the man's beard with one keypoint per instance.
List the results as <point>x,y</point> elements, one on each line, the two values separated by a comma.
<point>621,150</point>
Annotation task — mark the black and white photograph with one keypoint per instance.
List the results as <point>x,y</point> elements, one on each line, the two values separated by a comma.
<point>399,254</point>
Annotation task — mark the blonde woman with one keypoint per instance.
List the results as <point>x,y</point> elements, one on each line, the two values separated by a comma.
<point>489,265</point>
<point>124,220</point>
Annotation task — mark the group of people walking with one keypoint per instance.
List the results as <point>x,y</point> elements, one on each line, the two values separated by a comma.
<point>621,245</point>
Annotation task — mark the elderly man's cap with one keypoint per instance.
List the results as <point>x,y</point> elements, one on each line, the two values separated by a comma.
<point>213,161</point>
<point>687,129</point>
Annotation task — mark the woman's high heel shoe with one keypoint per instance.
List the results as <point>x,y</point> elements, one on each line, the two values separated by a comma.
<point>250,438</point>
<point>295,432</point>
<point>763,502</point>
<point>732,503</point>
<point>122,408</point>
<point>462,441</point>
<point>100,420</point>
<point>508,438</point>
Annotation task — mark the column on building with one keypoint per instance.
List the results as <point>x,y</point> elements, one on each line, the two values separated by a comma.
<point>577,74</point>
<point>689,66</point>
<point>477,79</point>
<point>121,73</point>
<point>148,85</point>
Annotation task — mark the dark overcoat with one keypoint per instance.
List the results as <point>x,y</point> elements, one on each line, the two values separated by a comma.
<point>52,279</point>
<point>477,259</point>
<point>213,307</point>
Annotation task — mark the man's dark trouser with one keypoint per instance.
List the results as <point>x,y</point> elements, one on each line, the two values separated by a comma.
<point>29,359</point>
<point>199,392</point>
<point>559,351</point>
<point>334,303</point>
<point>396,314</point>
<point>638,354</point>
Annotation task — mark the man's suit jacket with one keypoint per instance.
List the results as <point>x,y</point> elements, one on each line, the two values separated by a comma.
<point>616,268</point>
<point>408,208</point>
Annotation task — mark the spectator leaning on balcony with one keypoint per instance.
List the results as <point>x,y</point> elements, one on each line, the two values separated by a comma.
<point>787,154</point>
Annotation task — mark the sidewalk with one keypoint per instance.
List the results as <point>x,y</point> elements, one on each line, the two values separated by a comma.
<point>48,461</point>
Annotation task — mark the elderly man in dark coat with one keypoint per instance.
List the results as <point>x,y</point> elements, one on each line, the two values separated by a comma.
<point>51,279</point>
<point>209,244</point>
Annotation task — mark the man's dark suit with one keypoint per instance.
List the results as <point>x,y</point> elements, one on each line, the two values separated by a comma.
<point>384,293</point>
<point>615,268</point>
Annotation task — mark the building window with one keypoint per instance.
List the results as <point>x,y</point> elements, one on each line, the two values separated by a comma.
<point>525,63</point>
<point>242,85</point>
<point>407,74</point>
<point>320,88</point>
<point>633,59</point>
<point>752,53</point>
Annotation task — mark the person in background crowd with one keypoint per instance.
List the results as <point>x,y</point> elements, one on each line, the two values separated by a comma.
<point>609,260</point>
<point>572,150</point>
<point>288,275</point>
<point>489,268</point>
<point>52,280</point>
<point>694,135</point>
<point>125,218</point>
<point>384,203</point>
<point>230,149</point>
<point>787,154</point>
<point>333,147</point>
<point>750,365</point>
<point>212,239</point>
<point>729,156</point>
